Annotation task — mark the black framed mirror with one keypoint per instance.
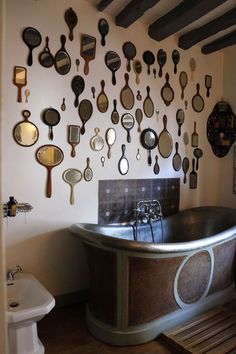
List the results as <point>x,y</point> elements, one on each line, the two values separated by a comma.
<point>129,51</point>
<point>198,101</point>
<point>77,85</point>
<point>161,59</point>
<point>62,59</point>
<point>87,50</point>
<point>167,93</point>
<point>149,141</point>
<point>46,59</point>
<point>51,117</point>
<point>113,62</point>
<point>71,21</point>
<point>32,38</point>
<point>180,116</point>
<point>103,28</point>
<point>127,122</point>
<point>183,80</point>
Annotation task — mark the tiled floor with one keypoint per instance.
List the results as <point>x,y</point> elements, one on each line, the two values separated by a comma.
<point>63,331</point>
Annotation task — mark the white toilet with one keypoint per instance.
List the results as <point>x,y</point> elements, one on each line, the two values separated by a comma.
<point>28,302</point>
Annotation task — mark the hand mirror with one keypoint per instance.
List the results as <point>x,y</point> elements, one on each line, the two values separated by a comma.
<point>165,145</point>
<point>62,59</point>
<point>161,59</point>
<point>73,137</point>
<point>103,28</point>
<point>185,168</point>
<point>126,95</point>
<point>113,62</point>
<point>137,67</point>
<point>198,154</point>
<point>175,58</point>
<point>77,85</point>
<point>88,173</point>
<point>197,101</point>
<point>87,50</point>
<point>71,21</point>
<point>85,112</point>
<point>114,114</point>
<point>148,106</point>
<point>123,164</point>
<point>96,142</point>
<point>110,139</point>
<point>183,80</point>
<point>180,115</point>
<point>129,51</point>
<point>149,141</point>
<point>102,100</point>
<point>167,92</point>
<point>25,133</point>
<point>51,117</point>
<point>176,161</point>
<point>148,58</point>
<point>32,39</point>
<point>127,121</point>
<point>208,84</point>
<point>72,176</point>
<point>20,80</point>
<point>192,64</point>
<point>139,118</point>
<point>46,59</point>
<point>49,156</point>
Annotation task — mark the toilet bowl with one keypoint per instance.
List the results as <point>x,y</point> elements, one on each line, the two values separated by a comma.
<point>28,302</point>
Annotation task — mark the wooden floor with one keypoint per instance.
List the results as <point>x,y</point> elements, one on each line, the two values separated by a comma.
<point>63,331</point>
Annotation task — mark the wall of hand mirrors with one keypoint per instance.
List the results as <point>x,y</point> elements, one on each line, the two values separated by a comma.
<point>149,64</point>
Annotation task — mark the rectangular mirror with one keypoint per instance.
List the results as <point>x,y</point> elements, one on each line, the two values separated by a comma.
<point>20,80</point>
<point>87,50</point>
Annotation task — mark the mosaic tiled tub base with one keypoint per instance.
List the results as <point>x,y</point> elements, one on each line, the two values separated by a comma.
<point>118,198</point>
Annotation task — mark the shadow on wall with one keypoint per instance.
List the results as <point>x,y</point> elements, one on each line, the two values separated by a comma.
<point>56,258</point>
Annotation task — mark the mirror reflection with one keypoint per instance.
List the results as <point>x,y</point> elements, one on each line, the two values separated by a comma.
<point>127,121</point>
<point>113,62</point>
<point>25,133</point>
<point>87,50</point>
<point>62,58</point>
<point>20,80</point>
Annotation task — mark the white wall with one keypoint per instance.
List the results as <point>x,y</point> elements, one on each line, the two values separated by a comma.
<point>43,244</point>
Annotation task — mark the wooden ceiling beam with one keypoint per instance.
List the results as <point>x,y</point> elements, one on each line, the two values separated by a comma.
<point>220,43</point>
<point>182,15</point>
<point>133,11</point>
<point>188,39</point>
<point>103,4</point>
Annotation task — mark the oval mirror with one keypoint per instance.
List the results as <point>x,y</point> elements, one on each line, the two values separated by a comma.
<point>161,59</point>
<point>114,114</point>
<point>167,92</point>
<point>149,141</point>
<point>180,116</point>
<point>88,173</point>
<point>85,113</point>
<point>149,59</point>
<point>62,58</point>
<point>185,168</point>
<point>165,141</point>
<point>175,58</point>
<point>32,38</point>
<point>137,67</point>
<point>46,59</point>
<point>198,154</point>
<point>113,62</point>
<point>183,80</point>
<point>49,156</point>
<point>129,51</point>
<point>25,133</point>
<point>96,142</point>
<point>77,85</point>
<point>176,161</point>
<point>139,118</point>
<point>71,21</point>
<point>72,176</point>
<point>110,139</point>
<point>123,164</point>
<point>102,100</point>
<point>197,101</point>
<point>126,95</point>
<point>193,65</point>
<point>51,117</point>
<point>127,121</point>
<point>148,106</point>
<point>103,28</point>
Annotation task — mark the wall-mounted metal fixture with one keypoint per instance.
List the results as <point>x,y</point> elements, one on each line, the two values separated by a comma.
<point>19,208</point>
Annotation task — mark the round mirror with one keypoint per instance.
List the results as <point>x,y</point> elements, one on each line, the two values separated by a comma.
<point>183,80</point>
<point>49,156</point>
<point>46,59</point>
<point>32,39</point>
<point>72,176</point>
<point>103,28</point>
<point>113,62</point>
<point>198,154</point>
<point>51,117</point>
<point>180,115</point>
<point>149,141</point>
<point>129,51</point>
<point>149,59</point>
<point>96,141</point>
<point>25,133</point>
<point>137,67</point>
<point>197,101</point>
<point>127,121</point>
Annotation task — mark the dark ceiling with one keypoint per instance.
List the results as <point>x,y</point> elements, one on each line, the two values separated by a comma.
<point>211,22</point>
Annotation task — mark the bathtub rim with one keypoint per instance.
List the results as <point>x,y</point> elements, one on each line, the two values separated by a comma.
<point>82,231</point>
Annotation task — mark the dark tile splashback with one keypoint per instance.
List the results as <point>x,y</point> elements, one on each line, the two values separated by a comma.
<point>117,199</point>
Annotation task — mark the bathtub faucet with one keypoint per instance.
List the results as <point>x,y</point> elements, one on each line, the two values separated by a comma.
<point>11,272</point>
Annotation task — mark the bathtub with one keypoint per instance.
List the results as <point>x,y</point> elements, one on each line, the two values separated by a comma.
<point>139,288</point>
